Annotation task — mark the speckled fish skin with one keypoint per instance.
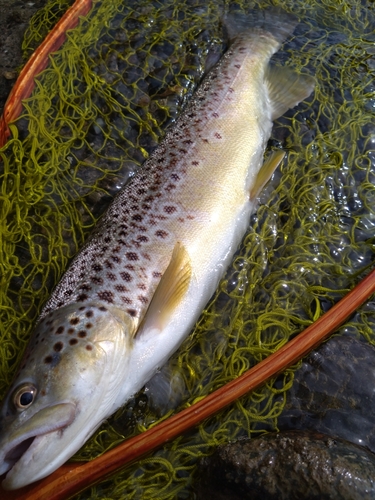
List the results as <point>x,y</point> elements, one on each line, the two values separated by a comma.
<point>98,339</point>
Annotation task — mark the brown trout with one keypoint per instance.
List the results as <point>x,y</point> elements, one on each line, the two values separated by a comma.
<point>135,291</point>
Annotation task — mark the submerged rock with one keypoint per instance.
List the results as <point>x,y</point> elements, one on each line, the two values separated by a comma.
<point>333,392</point>
<point>289,465</point>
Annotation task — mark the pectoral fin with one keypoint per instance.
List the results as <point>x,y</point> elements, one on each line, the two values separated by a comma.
<point>170,291</point>
<point>286,89</point>
<point>266,171</point>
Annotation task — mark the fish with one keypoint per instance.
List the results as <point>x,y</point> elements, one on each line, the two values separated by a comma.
<point>135,290</point>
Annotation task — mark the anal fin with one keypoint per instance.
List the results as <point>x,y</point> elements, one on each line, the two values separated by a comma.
<point>170,291</point>
<point>266,171</point>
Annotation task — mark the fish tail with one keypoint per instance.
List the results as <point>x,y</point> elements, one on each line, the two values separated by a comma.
<point>266,30</point>
<point>275,21</point>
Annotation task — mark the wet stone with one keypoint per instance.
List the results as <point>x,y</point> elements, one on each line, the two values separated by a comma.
<point>333,392</point>
<point>287,466</point>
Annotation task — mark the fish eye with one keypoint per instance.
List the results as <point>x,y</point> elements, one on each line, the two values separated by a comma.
<point>24,396</point>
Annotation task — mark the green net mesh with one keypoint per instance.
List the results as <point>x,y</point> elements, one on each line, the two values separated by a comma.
<point>100,109</point>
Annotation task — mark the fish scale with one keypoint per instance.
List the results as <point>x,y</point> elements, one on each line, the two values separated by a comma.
<point>134,292</point>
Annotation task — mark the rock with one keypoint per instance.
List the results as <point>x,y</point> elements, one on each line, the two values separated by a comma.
<point>289,465</point>
<point>333,392</point>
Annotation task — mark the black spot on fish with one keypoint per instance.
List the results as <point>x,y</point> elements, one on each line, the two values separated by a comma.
<point>131,312</point>
<point>82,308</point>
<point>106,295</point>
<point>70,331</point>
<point>161,234</point>
<point>53,360</point>
<point>89,347</point>
<point>82,334</point>
<point>74,321</point>
<point>58,346</point>
<point>85,288</point>
<point>89,314</point>
<point>170,209</point>
<point>102,308</point>
<point>108,264</point>
<point>132,256</point>
<point>97,280</point>
<point>73,341</point>
<point>82,297</point>
<point>121,288</point>
<point>60,329</point>
<point>88,325</point>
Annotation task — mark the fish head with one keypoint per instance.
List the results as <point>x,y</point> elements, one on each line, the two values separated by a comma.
<point>66,386</point>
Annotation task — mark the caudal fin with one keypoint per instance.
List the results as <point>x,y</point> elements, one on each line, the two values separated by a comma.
<point>276,21</point>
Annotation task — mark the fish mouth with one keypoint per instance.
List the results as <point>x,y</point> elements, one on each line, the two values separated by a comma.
<point>24,446</point>
<point>16,453</point>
